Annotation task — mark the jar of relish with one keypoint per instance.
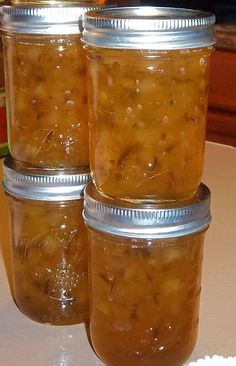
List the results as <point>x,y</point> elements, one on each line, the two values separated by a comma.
<point>145,266</point>
<point>49,243</point>
<point>46,86</point>
<point>147,97</point>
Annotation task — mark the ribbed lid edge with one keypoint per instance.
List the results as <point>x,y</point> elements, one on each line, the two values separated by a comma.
<point>147,221</point>
<point>43,185</point>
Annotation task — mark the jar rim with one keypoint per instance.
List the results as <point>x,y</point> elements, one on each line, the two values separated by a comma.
<point>41,20</point>
<point>43,185</point>
<point>148,27</point>
<point>161,220</point>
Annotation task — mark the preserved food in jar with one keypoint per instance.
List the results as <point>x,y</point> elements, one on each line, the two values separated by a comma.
<point>148,121</point>
<point>145,264</point>
<point>47,100</point>
<point>49,245</point>
<point>147,103</point>
<point>144,299</point>
<point>46,85</point>
<point>50,261</point>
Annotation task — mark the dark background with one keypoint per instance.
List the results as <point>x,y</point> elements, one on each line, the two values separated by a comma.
<point>225,10</point>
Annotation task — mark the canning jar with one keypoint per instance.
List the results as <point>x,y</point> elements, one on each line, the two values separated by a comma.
<point>49,244</point>
<point>145,278</point>
<point>147,97</point>
<point>46,86</point>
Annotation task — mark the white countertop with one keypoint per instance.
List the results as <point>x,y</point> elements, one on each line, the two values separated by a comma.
<point>24,342</point>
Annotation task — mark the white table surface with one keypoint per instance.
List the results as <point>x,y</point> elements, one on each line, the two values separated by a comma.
<point>24,342</point>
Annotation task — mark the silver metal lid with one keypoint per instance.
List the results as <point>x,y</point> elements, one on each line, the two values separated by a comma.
<point>150,220</point>
<point>43,20</point>
<point>49,185</point>
<point>148,27</point>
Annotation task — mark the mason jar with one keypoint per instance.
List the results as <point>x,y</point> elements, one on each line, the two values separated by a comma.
<point>145,266</point>
<point>46,93</point>
<point>49,244</point>
<point>147,96</point>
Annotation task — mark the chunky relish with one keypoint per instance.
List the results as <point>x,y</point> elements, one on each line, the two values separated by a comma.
<point>47,100</point>
<point>144,298</point>
<point>50,273</point>
<point>147,121</point>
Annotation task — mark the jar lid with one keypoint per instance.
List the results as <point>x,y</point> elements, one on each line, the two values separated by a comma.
<point>160,221</point>
<point>43,185</point>
<point>44,20</point>
<point>148,27</point>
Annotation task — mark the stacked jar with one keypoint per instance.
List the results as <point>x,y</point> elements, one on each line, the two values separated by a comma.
<point>44,179</point>
<point>146,210</point>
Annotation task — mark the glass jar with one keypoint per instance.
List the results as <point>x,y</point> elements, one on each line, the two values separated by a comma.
<point>45,86</point>
<point>147,96</point>
<point>145,278</point>
<point>49,244</point>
